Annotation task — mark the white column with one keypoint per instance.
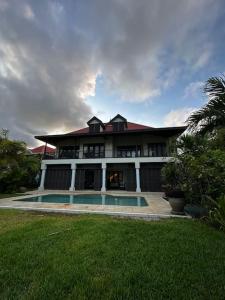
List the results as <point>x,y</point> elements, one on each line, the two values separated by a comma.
<point>137,167</point>
<point>103,189</point>
<point>73,168</point>
<point>43,171</point>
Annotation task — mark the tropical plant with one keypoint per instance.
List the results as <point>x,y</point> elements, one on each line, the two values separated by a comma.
<point>212,115</point>
<point>188,144</point>
<point>217,214</point>
<point>16,167</point>
<point>198,169</point>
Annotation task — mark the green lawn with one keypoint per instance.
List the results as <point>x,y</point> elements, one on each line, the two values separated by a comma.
<point>95,257</point>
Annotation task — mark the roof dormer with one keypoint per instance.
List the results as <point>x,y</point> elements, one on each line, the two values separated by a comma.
<point>95,125</point>
<point>119,123</point>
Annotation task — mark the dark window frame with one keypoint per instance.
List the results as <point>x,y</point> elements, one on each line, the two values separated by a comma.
<point>68,152</point>
<point>96,150</point>
<point>118,126</point>
<point>126,151</point>
<point>93,128</point>
<point>157,150</point>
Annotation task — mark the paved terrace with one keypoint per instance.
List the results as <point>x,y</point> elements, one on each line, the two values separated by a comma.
<point>157,207</point>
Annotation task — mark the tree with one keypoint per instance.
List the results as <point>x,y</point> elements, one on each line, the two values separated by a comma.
<point>16,167</point>
<point>198,168</point>
<point>211,116</point>
<point>4,133</point>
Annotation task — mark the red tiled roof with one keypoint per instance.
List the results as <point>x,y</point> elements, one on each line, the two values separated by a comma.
<point>41,150</point>
<point>108,128</point>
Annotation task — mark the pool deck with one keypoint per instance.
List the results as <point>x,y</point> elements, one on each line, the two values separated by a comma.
<point>157,207</point>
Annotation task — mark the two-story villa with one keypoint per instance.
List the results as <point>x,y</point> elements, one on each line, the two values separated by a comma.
<point>105,156</point>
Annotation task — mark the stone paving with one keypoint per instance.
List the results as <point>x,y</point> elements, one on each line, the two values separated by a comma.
<point>157,207</point>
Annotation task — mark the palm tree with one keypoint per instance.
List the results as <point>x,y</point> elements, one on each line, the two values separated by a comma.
<point>212,115</point>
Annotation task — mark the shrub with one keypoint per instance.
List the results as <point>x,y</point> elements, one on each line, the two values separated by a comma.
<point>217,214</point>
<point>16,167</point>
<point>199,173</point>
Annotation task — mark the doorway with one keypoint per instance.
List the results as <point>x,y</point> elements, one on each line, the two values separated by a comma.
<point>89,179</point>
<point>115,180</point>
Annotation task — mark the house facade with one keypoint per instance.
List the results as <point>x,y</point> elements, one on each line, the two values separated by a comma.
<point>107,156</point>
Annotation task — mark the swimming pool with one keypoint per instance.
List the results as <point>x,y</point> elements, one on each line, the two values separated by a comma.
<point>89,199</point>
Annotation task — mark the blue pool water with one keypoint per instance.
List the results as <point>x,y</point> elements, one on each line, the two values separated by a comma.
<point>89,199</point>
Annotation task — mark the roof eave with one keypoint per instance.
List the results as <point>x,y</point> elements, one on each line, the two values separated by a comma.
<point>165,131</point>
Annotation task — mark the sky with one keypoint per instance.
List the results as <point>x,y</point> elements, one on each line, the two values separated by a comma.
<point>61,62</point>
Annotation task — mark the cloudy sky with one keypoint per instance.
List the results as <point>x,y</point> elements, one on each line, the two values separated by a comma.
<point>63,61</point>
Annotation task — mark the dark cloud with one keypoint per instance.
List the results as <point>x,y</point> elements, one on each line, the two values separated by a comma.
<point>52,51</point>
<point>45,74</point>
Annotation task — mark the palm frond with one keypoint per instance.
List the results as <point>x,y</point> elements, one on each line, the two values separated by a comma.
<point>212,115</point>
<point>215,86</point>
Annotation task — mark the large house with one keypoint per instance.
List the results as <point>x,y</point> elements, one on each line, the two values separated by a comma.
<point>105,156</point>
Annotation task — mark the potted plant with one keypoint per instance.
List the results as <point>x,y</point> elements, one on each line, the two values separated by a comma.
<point>176,200</point>
<point>173,187</point>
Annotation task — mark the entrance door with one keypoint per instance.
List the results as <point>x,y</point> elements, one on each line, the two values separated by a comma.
<point>115,180</point>
<point>89,179</point>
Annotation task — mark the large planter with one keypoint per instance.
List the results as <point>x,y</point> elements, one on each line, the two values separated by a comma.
<point>177,205</point>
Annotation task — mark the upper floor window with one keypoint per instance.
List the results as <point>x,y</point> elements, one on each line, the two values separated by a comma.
<point>68,152</point>
<point>118,126</point>
<point>129,151</point>
<point>94,150</point>
<point>119,123</point>
<point>95,125</point>
<point>157,149</point>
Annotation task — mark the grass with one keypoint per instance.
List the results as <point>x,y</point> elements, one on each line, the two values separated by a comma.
<point>95,257</point>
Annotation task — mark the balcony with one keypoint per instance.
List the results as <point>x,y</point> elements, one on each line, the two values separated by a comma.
<point>129,151</point>
<point>96,151</point>
<point>92,154</point>
<point>64,154</point>
<point>75,155</point>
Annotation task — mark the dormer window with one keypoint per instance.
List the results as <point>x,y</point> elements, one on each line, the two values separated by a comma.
<point>95,125</point>
<point>94,128</point>
<point>118,126</point>
<point>119,123</point>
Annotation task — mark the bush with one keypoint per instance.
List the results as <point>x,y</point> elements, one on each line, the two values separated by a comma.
<point>199,173</point>
<point>174,194</point>
<point>217,214</point>
<point>16,167</point>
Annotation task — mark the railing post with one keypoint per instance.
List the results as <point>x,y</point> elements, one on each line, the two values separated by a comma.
<point>43,172</point>
<point>73,177</point>
<point>103,189</point>
<point>138,186</point>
